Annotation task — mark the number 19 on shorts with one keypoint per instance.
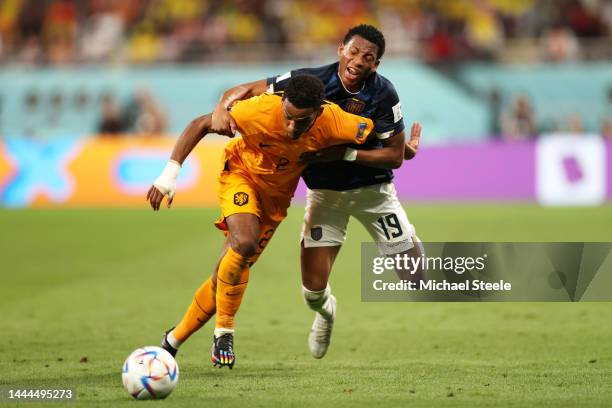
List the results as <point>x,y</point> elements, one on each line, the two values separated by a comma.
<point>391,226</point>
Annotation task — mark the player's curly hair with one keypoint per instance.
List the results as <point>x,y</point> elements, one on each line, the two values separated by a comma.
<point>370,33</point>
<point>305,91</point>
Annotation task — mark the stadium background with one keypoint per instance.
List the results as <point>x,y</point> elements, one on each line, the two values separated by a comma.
<point>515,98</point>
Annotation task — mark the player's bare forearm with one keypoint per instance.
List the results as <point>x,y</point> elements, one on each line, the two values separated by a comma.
<point>240,92</point>
<point>222,122</point>
<point>191,136</point>
<point>412,145</point>
<point>390,156</point>
<point>165,184</point>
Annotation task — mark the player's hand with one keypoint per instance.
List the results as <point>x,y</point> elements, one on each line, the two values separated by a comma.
<point>412,146</point>
<point>328,154</point>
<point>164,185</point>
<point>222,122</point>
<point>155,197</point>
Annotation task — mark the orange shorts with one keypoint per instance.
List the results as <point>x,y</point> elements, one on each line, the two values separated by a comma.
<point>238,193</point>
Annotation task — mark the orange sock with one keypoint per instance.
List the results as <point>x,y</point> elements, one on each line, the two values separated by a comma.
<point>232,279</point>
<point>200,311</point>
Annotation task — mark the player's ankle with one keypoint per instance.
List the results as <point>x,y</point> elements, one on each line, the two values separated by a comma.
<point>315,299</point>
<point>220,331</point>
<point>173,341</point>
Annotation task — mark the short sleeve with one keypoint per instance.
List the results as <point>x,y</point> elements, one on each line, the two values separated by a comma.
<point>349,128</point>
<point>279,83</point>
<point>243,112</point>
<point>388,114</point>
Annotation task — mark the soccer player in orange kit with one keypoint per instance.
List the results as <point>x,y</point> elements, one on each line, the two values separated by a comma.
<point>261,172</point>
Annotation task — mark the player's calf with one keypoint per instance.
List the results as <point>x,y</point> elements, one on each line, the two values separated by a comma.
<point>415,268</point>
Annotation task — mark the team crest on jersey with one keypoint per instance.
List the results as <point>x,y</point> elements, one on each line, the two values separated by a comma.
<point>316,233</point>
<point>354,106</point>
<point>361,130</point>
<point>241,199</point>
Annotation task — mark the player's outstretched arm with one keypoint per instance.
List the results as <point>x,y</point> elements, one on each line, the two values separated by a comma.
<point>191,136</point>
<point>390,156</point>
<point>222,122</point>
<point>165,184</point>
<point>412,146</point>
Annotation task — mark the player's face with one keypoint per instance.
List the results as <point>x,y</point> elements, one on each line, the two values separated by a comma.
<point>297,121</point>
<point>358,59</point>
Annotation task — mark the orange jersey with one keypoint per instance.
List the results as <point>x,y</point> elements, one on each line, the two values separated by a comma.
<point>269,156</point>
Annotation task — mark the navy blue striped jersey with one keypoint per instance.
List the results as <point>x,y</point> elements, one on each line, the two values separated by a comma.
<point>376,100</point>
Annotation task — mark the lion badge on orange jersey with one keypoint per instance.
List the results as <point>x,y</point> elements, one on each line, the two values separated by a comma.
<point>241,199</point>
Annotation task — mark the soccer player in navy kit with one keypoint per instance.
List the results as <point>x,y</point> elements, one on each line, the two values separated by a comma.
<point>346,181</point>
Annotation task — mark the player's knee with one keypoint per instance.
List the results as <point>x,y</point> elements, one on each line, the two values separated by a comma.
<point>316,298</point>
<point>244,246</point>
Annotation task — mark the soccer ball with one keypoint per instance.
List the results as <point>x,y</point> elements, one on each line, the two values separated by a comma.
<point>150,373</point>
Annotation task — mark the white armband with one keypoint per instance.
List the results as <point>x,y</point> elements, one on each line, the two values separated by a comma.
<point>166,182</point>
<point>350,154</point>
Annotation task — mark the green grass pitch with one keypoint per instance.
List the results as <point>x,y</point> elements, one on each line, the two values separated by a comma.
<point>82,288</point>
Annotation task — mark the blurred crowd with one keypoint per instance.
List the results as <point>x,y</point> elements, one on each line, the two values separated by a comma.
<point>141,115</point>
<point>56,112</point>
<point>41,32</point>
<point>520,121</point>
<point>67,32</point>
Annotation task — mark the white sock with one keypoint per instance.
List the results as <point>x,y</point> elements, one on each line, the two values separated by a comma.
<point>173,341</point>
<point>220,331</point>
<point>319,301</point>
